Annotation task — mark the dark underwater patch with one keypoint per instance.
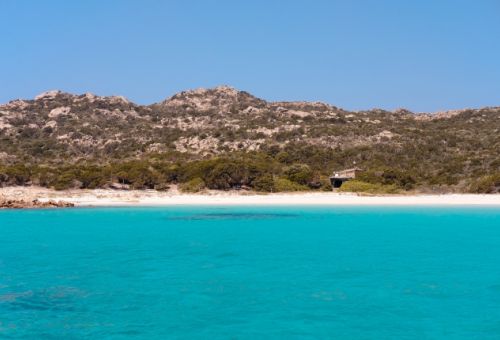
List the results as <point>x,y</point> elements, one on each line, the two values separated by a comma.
<point>53,299</point>
<point>231,216</point>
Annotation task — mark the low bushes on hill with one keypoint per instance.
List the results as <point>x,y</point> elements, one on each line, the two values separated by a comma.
<point>295,167</point>
<point>285,185</point>
<point>486,184</point>
<point>264,183</point>
<point>364,187</point>
<point>193,185</point>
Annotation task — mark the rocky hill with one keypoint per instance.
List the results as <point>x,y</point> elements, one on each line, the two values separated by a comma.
<point>62,128</point>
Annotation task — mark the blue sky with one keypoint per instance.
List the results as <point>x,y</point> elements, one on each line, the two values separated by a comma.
<point>424,55</point>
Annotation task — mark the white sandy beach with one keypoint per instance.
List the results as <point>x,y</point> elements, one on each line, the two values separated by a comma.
<point>107,197</point>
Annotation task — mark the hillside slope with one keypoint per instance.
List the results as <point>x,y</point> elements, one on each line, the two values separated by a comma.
<point>449,149</point>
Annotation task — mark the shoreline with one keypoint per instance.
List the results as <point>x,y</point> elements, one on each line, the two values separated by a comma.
<point>116,198</point>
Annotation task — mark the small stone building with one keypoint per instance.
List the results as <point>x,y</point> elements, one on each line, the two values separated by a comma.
<point>339,177</point>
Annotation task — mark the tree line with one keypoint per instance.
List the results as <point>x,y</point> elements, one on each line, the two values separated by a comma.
<point>260,171</point>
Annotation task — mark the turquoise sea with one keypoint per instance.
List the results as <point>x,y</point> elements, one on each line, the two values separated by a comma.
<point>250,273</point>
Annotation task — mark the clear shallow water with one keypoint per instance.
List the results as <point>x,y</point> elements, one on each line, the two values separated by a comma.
<point>247,273</point>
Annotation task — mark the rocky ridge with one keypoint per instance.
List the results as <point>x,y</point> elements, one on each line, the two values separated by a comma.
<point>62,126</point>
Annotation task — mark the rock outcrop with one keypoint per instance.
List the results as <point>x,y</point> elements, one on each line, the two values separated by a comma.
<point>30,204</point>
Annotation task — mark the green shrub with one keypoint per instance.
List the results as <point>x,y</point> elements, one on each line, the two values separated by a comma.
<point>93,177</point>
<point>137,174</point>
<point>299,173</point>
<point>326,185</point>
<point>43,176</point>
<point>359,186</point>
<point>264,183</point>
<point>18,174</point>
<point>283,157</point>
<point>284,185</point>
<point>194,185</point>
<point>65,180</point>
<point>486,185</point>
<point>226,175</point>
<point>389,176</point>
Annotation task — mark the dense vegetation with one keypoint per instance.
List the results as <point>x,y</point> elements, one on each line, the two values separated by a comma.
<point>224,139</point>
<point>259,171</point>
